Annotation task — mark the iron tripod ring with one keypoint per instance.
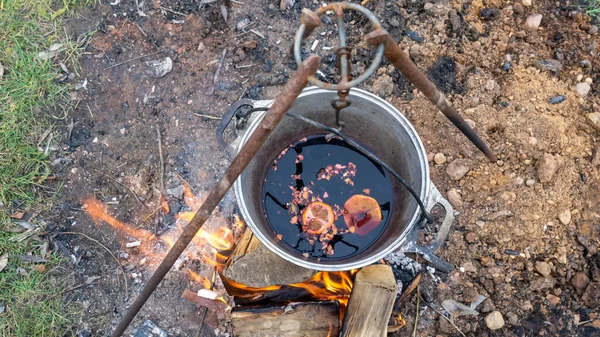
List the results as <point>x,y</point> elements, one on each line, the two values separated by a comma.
<point>311,20</point>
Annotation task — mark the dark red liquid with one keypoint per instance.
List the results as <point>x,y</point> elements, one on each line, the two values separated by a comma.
<point>288,174</point>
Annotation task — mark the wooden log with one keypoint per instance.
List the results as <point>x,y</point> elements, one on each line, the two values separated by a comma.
<point>254,265</point>
<point>307,319</point>
<point>371,302</point>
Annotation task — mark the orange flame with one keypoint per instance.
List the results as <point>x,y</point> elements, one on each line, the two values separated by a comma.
<point>97,211</point>
<point>221,239</point>
<point>203,280</point>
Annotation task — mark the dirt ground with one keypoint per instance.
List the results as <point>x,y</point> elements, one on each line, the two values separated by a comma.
<point>527,230</point>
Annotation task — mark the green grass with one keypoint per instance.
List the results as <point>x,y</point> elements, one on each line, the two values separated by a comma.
<point>28,90</point>
<point>593,9</point>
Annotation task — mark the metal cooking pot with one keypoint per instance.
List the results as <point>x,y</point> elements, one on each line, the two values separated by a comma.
<point>375,123</point>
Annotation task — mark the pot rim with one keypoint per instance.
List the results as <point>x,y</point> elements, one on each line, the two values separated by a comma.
<point>367,260</point>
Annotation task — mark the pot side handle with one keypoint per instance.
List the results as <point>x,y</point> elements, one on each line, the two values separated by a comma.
<point>435,198</point>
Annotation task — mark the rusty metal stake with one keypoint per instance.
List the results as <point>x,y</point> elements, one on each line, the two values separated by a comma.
<point>282,104</point>
<point>404,64</point>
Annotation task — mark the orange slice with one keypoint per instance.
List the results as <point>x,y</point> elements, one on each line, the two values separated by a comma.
<point>317,218</point>
<point>362,213</point>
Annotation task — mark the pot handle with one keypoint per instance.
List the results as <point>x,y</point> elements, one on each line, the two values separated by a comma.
<point>435,198</point>
<point>227,118</point>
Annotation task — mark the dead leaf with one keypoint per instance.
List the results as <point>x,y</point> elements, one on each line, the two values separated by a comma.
<point>44,249</point>
<point>3,261</point>
<point>54,50</point>
<point>39,267</point>
<point>22,271</point>
<point>91,279</point>
<point>1,71</point>
<point>31,258</point>
<point>17,215</point>
<point>411,287</point>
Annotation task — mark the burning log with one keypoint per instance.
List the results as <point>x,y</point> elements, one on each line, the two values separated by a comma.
<point>310,319</point>
<point>371,302</point>
<point>250,261</point>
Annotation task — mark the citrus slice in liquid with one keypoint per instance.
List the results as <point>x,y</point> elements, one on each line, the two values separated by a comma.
<point>317,218</point>
<point>363,213</point>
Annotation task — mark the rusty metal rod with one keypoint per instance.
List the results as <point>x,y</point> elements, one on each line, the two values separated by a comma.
<point>402,62</point>
<point>282,104</point>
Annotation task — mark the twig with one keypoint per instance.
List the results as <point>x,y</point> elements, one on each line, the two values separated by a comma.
<point>244,66</point>
<point>364,2</point>
<point>127,187</point>
<point>449,320</point>
<point>206,116</point>
<point>90,110</point>
<point>205,311</point>
<point>414,334</point>
<point>172,11</point>
<point>133,59</point>
<point>108,250</point>
<point>237,2</point>
<point>141,30</point>
<point>216,77</point>
<point>584,322</point>
<point>69,290</point>
<point>259,34</point>
<point>162,176</point>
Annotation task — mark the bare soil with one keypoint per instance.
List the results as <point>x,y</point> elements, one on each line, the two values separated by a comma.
<point>508,218</point>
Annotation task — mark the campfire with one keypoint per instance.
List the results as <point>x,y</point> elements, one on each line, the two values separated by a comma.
<point>318,303</point>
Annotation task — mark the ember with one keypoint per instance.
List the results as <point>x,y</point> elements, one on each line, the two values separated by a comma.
<point>341,227</point>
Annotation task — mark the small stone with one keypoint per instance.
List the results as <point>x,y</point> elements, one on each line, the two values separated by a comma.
<point>518,8</point>
<point>471,123</point>
<point>582,88</point>
<point>428,6</point>
<point>580,281</point>
<point>554,300</point>
<point>488,14</point>
<point>508,196</point>
<point>565,217</point>
<point>543,268</point>
<point>471,237</point>
<point>589,80</point>
<point>513,319</point>
<point>454,197</point>
<point>469,267</point>
<point>591,296</point>
<point>159,68</point>
<point>411,34</point>
<point>122,131</point>
<point>542,283</point>
<point>530,182</point>
<point>470,295</point>
<point>445,326</point>
<point>526,3</point>
<point>519,181</point>
<point>490,85</point>
<point>594,119</point>
<point>593,30</point>
<point>557,99</point>
<point>439,158</point>
<point>494,320</point>
<point>176,192</point>
<point>547,167</point>
<point>553,66</point>
<point>533,21</point>
<point>383,86</point>
<point>430,157</point>
<point>457,169</point>
<point>487,306</point>
<point>249,44</point>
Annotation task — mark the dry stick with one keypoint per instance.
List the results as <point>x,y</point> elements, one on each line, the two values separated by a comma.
<point>127,187</point>
<point>205,311</point>
<point>414,334</point>
<point>216,77</point>
<point>162,176</point>
<point>276,112</point>
<point>133,59</point>
<point>207,116</point>
<point>69,290</point>
<point>449,320</point>
<point>108,250</point>
<point>172,11</point>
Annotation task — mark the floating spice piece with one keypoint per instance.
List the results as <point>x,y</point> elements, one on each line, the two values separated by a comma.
<point>367,191</point>
<point>317,218</point>
<point>325,195</point>
<point>279,236</point>
<point>363,213</point>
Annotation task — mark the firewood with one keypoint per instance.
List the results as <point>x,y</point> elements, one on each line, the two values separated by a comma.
<point>309,319</point>
<point>254,265</point>
<point>371,302</point>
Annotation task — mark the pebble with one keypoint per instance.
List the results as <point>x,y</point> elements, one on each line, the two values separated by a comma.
<point>490,85</point>
<point>582,88</point>
<point>487,306</point>
<point>533,21</point>
<point>439,158</point>
<point>519,181</point>
<point>543,268</point>
<point>454,197</point>
<point>547,167</point>
<point>594,119</point>
<point>383,86</point>
<point>557,99</point>
<point>530,182</point>
<point>414,36</point>
<point>553,66</point>
<point>591,296</point>
<point>579,281</point>
<point>589,80</point>
<point>518,8</point>
<point>494,320</point>
<point>457,169</point>
<point>513,319</point>
<point>542,283</point>
<point>593,30</point>
<point>526,3</point>
<point>565,217</point>
<point>554,300</point>
<point>489,13</point>
<point>506,66</point>
<point>176,192</point>
<point>471,237</point>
